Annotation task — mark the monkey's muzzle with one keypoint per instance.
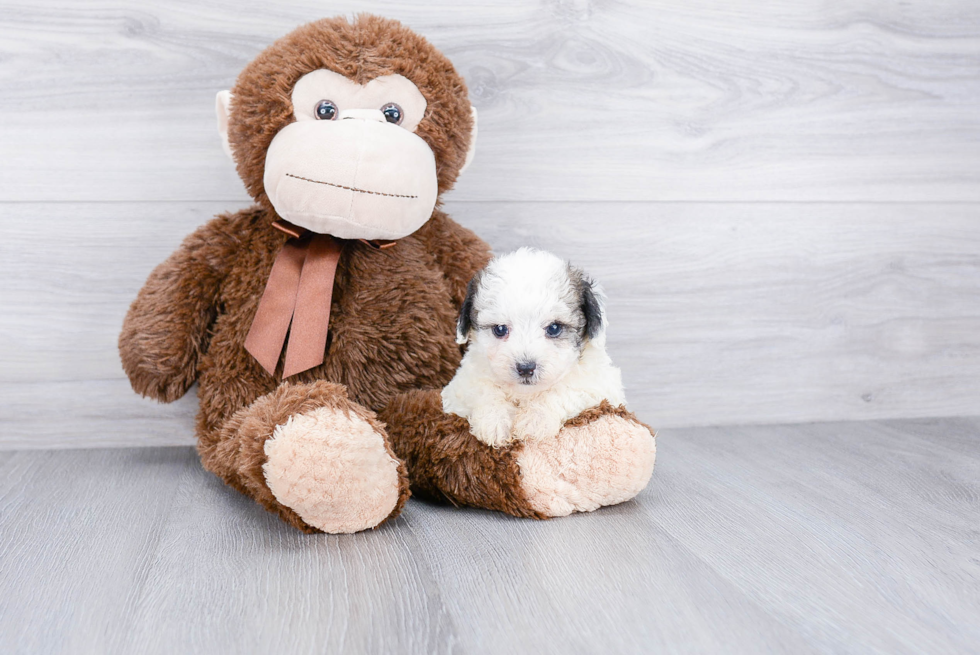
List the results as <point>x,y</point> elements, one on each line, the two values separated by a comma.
<point>353,179</point>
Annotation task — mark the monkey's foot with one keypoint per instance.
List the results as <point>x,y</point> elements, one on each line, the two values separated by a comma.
<point>334,469</point>
<point>604,456</point>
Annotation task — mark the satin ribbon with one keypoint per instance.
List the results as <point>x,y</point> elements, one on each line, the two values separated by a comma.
<point>296,300</point>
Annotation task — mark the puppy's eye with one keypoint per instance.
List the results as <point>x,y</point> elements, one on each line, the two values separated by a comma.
<point>393,113</point>
<point>554,329</point>
<point>325,110</point>
<point>499,331</point>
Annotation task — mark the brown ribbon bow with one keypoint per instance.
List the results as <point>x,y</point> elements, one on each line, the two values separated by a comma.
<point>299,291</point>
<point>297,300</point>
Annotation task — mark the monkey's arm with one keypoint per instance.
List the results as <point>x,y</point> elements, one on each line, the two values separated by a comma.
<point>165,331</point>
<point>457,250</point>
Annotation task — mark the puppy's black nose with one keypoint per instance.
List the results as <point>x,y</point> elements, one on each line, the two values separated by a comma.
<point>525,369</point>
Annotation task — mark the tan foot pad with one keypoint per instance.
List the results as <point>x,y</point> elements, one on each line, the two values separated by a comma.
<point>603,462</point>
<point>333,470</point>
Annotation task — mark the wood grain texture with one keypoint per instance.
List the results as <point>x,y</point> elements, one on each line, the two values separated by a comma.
<point>741,310</point>
<point>578,100</point>
<point>720,313</point>
<point>831,538</point>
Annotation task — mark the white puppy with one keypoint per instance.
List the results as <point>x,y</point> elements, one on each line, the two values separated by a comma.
<point>537,349</point>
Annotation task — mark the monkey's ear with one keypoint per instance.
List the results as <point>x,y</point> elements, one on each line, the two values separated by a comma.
<point>471,152</point>
<point>466,318</point>
<point>222,107</point>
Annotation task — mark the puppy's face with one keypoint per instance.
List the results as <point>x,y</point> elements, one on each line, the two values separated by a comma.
<point>529,314</point>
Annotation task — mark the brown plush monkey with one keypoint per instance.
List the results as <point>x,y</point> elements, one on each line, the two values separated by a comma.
<point>336,296</point>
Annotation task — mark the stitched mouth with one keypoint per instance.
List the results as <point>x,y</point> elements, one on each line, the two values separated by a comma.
<point>350,188</point>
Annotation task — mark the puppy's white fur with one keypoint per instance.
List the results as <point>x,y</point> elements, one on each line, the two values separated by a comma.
<point>526,292</point>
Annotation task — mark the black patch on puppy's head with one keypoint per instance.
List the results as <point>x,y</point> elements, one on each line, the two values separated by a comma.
<point>589,303</point>
<point>592,310</point>
<point>467,315</point>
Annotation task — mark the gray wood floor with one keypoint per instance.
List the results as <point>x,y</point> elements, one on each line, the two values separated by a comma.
<point>836,537</point>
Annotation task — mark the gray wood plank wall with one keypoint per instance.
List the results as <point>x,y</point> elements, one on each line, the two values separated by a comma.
<point>783,202</point>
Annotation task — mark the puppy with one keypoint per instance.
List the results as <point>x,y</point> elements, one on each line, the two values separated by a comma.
<point>537,349</point>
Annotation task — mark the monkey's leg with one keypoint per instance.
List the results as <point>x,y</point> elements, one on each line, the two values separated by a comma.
<point>604,456</point>
<point>312,456</point>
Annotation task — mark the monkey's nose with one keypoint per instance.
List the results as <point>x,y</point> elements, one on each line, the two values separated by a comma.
<point>363,114</point>
<point>525,369</point>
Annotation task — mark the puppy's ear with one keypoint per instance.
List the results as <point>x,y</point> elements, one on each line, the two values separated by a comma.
<point>467,318</point>
<point>592,308</point>
<point>590,303</point>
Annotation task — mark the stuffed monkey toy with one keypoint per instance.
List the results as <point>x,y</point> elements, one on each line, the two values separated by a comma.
<point>320,323</point>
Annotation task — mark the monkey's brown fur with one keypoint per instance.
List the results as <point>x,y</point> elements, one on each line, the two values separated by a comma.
<point>236,452</point>
<point>393,312</point>
<point>363,50</point>
<point>446,463</point>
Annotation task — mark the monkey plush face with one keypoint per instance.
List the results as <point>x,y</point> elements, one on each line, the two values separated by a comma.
<point>351,164</point>
<point>349,129</point>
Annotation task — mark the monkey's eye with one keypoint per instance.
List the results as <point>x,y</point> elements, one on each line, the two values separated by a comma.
<point>499,331</point>
<point>325,110</point>
<point>554,329</point>
<point>393,113</point>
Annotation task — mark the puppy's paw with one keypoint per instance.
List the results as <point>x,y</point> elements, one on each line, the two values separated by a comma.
<point>493,425</point>
<point>536,424</point>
